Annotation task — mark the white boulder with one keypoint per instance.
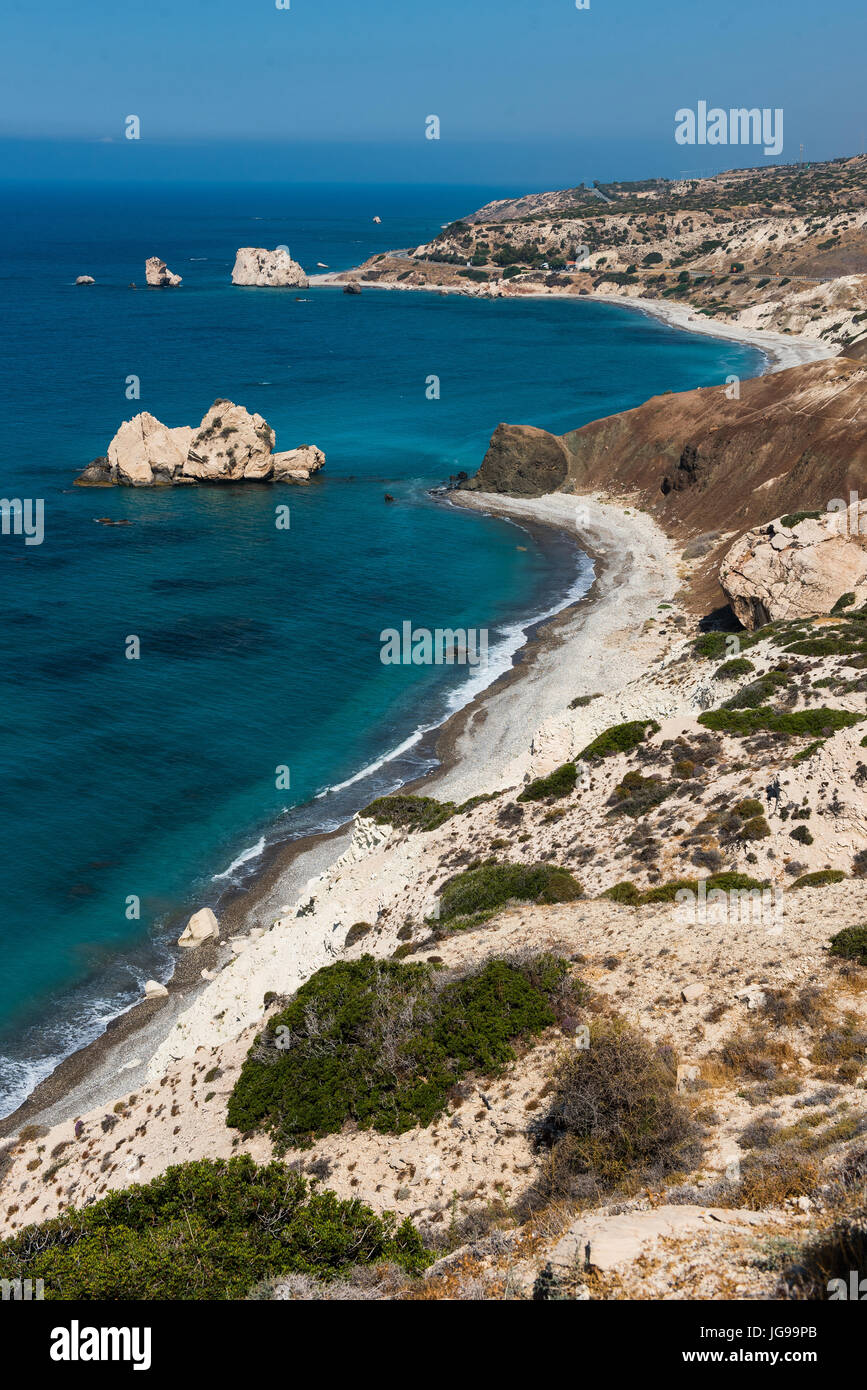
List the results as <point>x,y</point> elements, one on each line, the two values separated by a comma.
<point>201,926</point>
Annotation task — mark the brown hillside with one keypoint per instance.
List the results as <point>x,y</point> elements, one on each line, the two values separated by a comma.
<point>705,465</point>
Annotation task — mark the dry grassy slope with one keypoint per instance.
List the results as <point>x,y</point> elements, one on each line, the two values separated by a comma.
<point>701,463</point>
<point>782,248</point>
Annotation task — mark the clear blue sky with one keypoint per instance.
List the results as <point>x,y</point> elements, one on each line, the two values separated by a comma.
<point>533,91</point>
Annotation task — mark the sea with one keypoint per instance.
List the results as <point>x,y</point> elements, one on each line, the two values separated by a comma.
<point>180,693</point>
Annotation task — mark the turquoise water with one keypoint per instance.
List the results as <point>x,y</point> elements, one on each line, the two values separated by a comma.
<point>156,778</point>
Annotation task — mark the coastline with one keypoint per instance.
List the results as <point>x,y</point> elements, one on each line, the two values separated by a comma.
<point>490,741</point>
<point>781,350</point>
<point>119,1056</point>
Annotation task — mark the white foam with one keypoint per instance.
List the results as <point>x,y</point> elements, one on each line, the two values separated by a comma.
<point>244,857</point>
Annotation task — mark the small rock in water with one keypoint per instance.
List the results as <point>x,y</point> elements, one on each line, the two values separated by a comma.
<point>85,280</point>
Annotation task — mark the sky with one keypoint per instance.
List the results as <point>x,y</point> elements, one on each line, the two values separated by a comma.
<point>532,92</point>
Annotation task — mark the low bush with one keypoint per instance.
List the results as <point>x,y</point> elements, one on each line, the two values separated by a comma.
<point>625,892</point>
<point>382,1044</point>
<point>831,1256</point>
<point>802,723</point>
<point>636,795</point>
<point>560,782</point>
<point>759,691</point>
<point>730,670</point>
<point>615,1119</point>
<point>850,944</point>
<point>819,878</point>
<point>756,828</point>
<point>492,885</point>
<point>620,738</point>
<point>409,812</point>
<point>206,1230</point>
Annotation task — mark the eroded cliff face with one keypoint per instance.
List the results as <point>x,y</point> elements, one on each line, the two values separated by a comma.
<point>707,463</point>
<point>798,566</point>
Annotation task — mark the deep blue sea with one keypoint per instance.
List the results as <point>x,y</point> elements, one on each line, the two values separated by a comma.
<point>156,778</point>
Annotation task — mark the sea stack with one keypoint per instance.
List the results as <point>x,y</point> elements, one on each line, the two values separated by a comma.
<point>229,446</point>
<point>158,274</point>
<point>268,269</point>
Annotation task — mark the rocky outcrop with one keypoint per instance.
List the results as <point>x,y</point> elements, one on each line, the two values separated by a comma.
<point>229,446</point>
<point>296,465</point>
<point>84,280</point>
<point>798,570</point>
<point>522,461</point>
<point>158,274</point>
<point>201,927</point>
<point>274,269</point>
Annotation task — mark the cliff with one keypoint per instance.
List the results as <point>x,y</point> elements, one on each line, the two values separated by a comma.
<point>704,463</point>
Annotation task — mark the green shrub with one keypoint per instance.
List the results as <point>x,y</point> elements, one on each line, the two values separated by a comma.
<point>808,752</point>
<point>382,1043</point>
<point>802,723</point>
<point>750,806</point>
<point>357,932</point>
<point>756,828</point>
<point>713,645</point>
<point>636,795</point>
<point>730,670</point>
<point>844,601</point>
<point>801,834</point>
<point>620,738</point>
<point>410,812</point>
<point>492,885</point>
<point>851,944</point>
<point>206,1230</point>
<point>793,519</point>
<point>758,692</point>
<point>724,882</point>
<point>818,879</point>
<point>624,892</point>
<point>560,782</point>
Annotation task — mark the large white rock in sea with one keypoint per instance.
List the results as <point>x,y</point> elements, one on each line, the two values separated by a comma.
<point>229,446</point>
<point>158,274</point>
<point>256,266</point>
<point>778,572</point>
